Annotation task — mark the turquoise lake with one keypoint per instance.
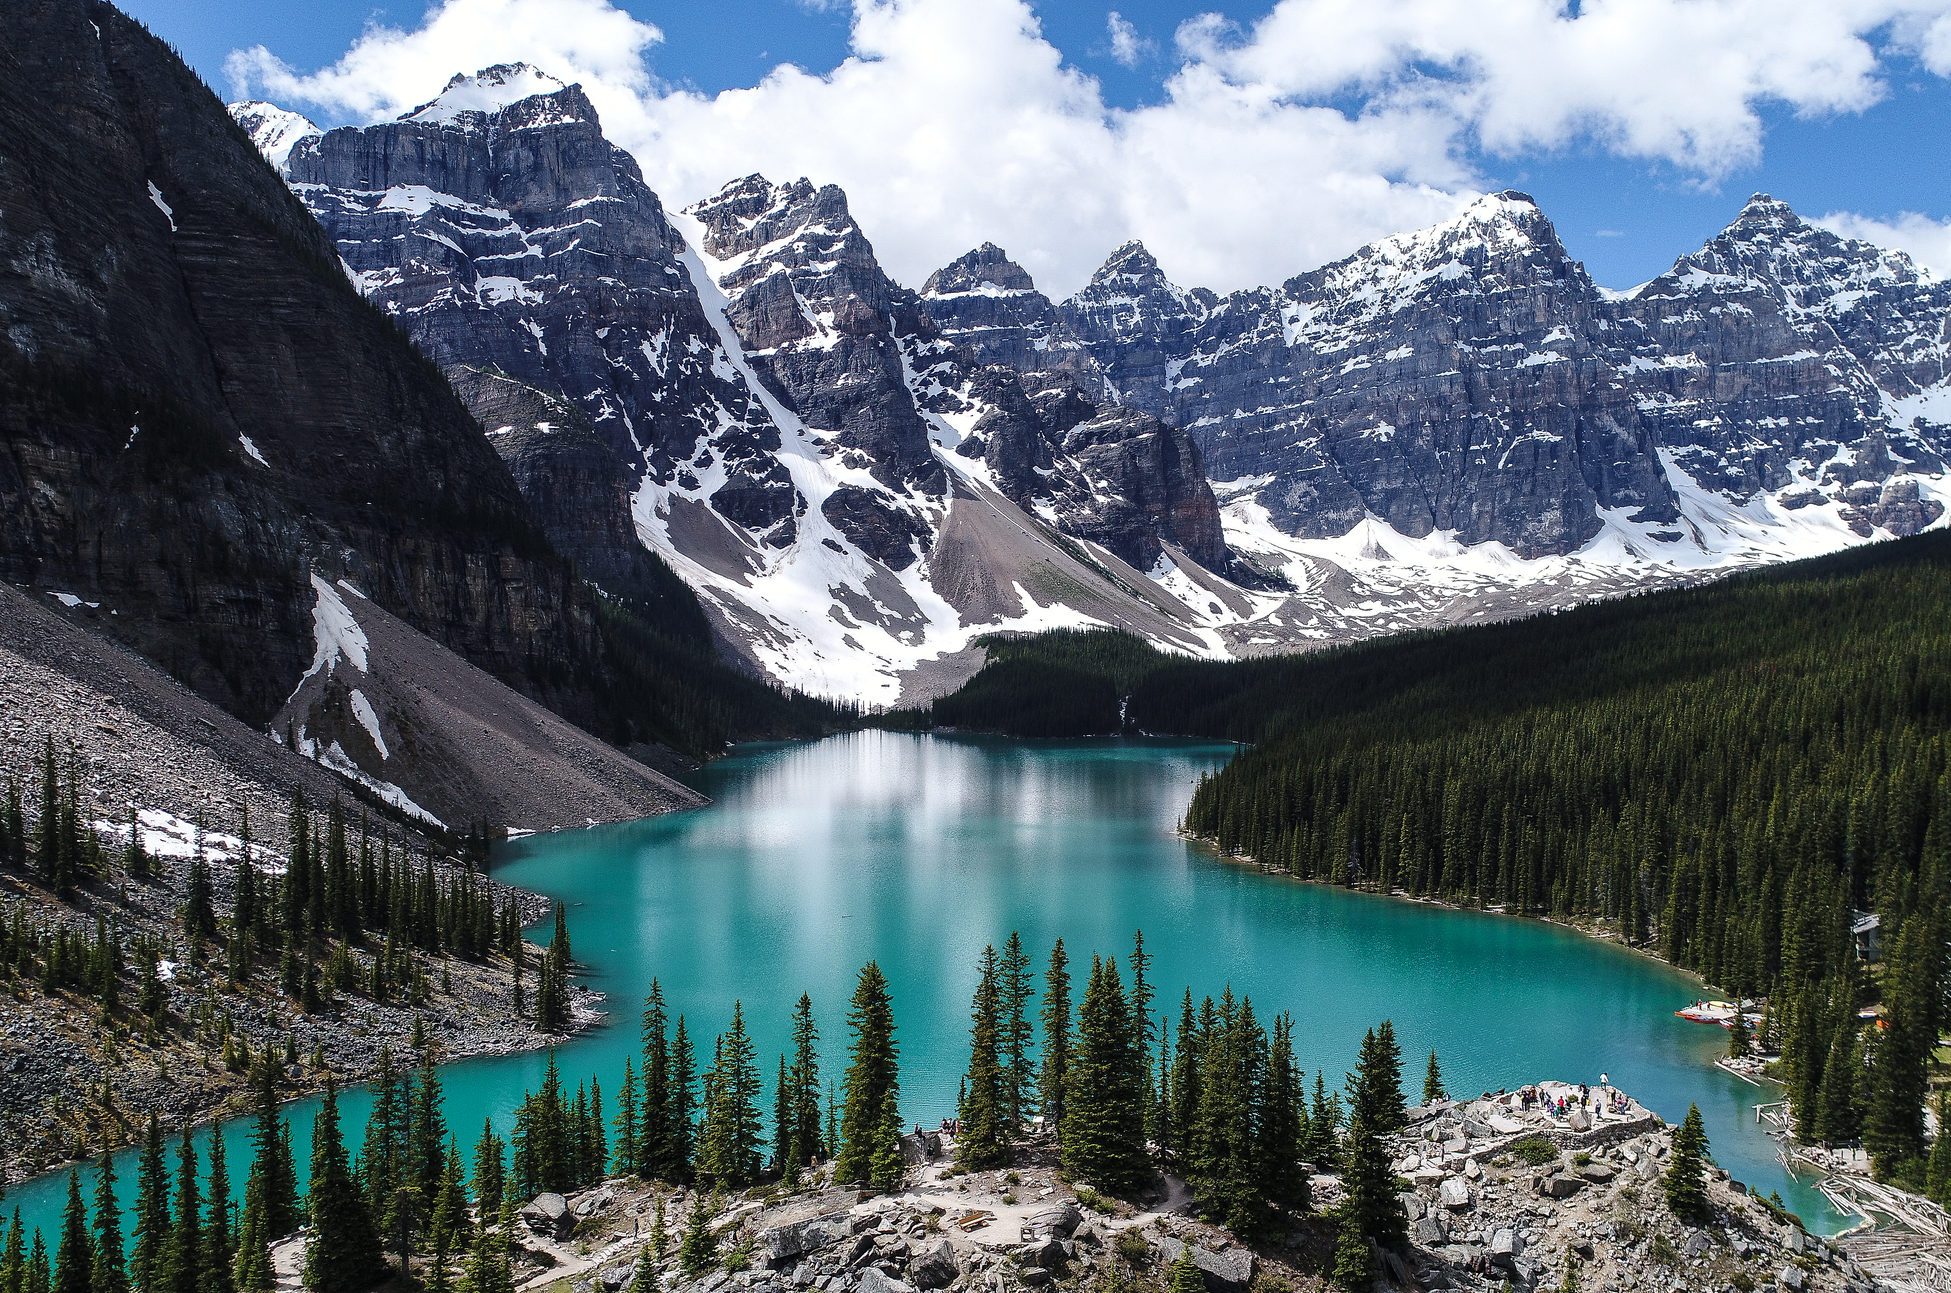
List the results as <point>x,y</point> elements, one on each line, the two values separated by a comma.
<point>915,851</point>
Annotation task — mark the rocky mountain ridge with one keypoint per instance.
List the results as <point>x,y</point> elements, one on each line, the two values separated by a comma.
<point>1471,381</point>
<point>741,390</point>
<point>202,426</point>
<point>1448,425</point>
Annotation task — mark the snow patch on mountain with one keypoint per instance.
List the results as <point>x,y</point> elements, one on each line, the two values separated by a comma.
<point>484,93</point>
<point>275,131</point>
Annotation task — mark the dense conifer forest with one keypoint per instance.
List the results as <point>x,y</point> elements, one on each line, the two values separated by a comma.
<point>1730,776</point>
<point>1123,1093</point>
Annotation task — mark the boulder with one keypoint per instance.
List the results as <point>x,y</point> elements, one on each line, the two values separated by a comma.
<point>934,1266</point>
<point>1506,1242</point>
<point>1561,1186</point>
<point>792,1237</point>
<point>1230,1271</point>
<point>1792,1279</point>
<point>548,1215</point>
<point>874,1280</point>
<point>1598,1173</point>
<point>1453,1194</point>
<point>1059,1222</point>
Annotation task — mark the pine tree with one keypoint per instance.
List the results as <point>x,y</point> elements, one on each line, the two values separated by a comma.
<point>1104,1122</point>
<point>1937,1168</point>
<point>218,1241</point>
<point>74,1262</point>
<point>111,1274</point>
<point>1281,1173</point>
<point>627,1153</point>
<point>684,1104</point>
<point>1740,1037</point>
<point>183,1254</point>
<point>448,1228</point>
<point>1838,1116</point>
<point>488,1269</point>
<point>729,1140</point>
<point>1016,989</point>
<point>869,1152</point>
<point>1893,1124</point>
<point>1433,1091</point>
<point>427,1128</point>
<point>655,1139</point>
<point>697,1252</point>
<point>1370,1217</point>
<point>40,1271</point>
<point>1324,1120</point>
<point>1686,1173</point>
<point>1183,1276</point>
<point>984,1138</point>
<point>804,1145</point>
<point>1391,1110</point>
<point>251,1272</point>
<point>782,1125</point>
<point>344,1254</point>
<point>13,1258</point>
<point>152,1227</point>
<point>490,1171</point>
<point>272,1170</point>
<point>1056,1037</point>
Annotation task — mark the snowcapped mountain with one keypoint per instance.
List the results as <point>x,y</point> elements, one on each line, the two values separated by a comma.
<point>1470,401</point>
<point>741,391</point>
<point>858,479</point>
<point>221,457</point>
<point>275,131</point>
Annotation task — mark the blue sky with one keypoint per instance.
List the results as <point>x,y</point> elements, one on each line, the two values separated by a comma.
<point>1871,148</point>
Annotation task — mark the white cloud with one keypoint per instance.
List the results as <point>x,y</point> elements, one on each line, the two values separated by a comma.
<point>388,70</point>
<point>1675,80</point>
<point>1272,148</point>
<point>1924,239</point>
<point>1128,48</point>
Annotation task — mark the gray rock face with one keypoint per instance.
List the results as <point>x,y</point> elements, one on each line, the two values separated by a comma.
<point>1114,476</point>
<point>987,304</point>
<point>549,1215</point>
<point>519,247</point>
<point>935,1266</point>
<point>825,329</point>
<point>1230,1271</point>
<point>1470,378</point>
<point>197,412</point>
<point>1781,354</point>
<point>1443,380</point>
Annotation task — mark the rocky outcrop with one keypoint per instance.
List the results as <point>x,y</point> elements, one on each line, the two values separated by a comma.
<point>1114,476</point>
<point>1495,1220</point>
<point>987,304</point>
<point>520,249</point>
<point>821,322</point>
<point>199,412</point>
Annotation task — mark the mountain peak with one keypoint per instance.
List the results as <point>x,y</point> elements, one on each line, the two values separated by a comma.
<point>1132,261</point>
<point>1509,209</point>
<point>486,92</point>
<point>1763,210</point>
<point>988,268</point>
<point>275,130</point>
